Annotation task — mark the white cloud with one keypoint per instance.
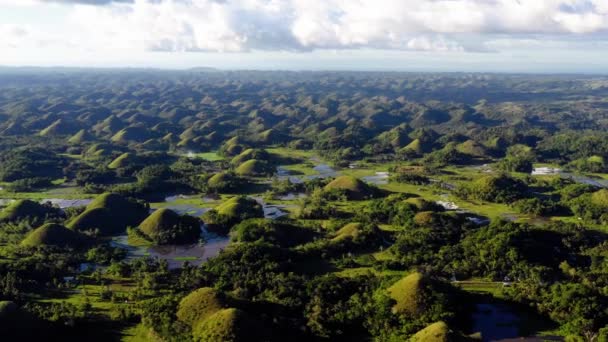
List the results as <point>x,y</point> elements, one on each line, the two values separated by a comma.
<point>11,36</point>
<point>436,44</point>
<point>302,25</point>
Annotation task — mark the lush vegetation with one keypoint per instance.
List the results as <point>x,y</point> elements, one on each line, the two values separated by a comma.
<point>273,206</point>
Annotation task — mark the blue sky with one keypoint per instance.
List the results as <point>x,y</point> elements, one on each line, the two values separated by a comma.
<point>411,35</point>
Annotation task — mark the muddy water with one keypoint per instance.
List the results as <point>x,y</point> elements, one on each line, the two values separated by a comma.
<point>195,254</point>
<point>177,255</point>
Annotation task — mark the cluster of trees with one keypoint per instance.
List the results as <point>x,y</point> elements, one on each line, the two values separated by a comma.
<point>353,262</point>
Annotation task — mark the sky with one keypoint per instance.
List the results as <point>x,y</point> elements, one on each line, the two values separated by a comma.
<point>538,36</point>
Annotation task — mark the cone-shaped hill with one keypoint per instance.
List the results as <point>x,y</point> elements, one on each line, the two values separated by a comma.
<point>228,325</point>
<point>59,127</point>
<point>231,212</point>
<point>600,198</point>
<point>110,125</point>
<point>415,146</point>
<point>224,181</point>
<point>123,160</point>
<point>52,234</point>
<point>199,305</point>
<point>409,294</point>
<point>271,136</point>
<point>208,313</point>
<point>218,180</point>
<point>22,209</point>
<point>254,167</point>
<point>138,134</point>
<point>80,137</point>
<point>98,150</point>
<point>416,293</point>
<point>164,226</point>
<point>472,148</point>
<point>111,214</point>
<point>436,332</point>
<point>353,188</point>
<point>8,309</point>
<point>249,154</point>
<point>357,232</point>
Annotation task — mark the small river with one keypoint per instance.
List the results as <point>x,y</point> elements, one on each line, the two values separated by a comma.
<point>177,255</point>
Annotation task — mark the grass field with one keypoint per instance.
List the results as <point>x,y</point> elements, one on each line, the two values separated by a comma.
<point>137,333</point>
<point>210,156</point>
<point>286,152</point>
<point>481,286</point>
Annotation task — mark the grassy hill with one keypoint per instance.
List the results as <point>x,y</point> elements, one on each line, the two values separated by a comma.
<point>407,294</point>
<point>22,209</point>
<point>231,212</point>
<point>111,214</point>
<point>199,305</point>
<point>254,167</point>
<point>123,160</point>
<point>436,332</point>
<point>80,137</point>
<point>52,234</point>
<point>472,148</point>
<point>165,226</point>
<point>353,188</point>
<point>227,325</point>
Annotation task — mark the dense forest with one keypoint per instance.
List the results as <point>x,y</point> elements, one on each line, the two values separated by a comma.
<point>206,205</point>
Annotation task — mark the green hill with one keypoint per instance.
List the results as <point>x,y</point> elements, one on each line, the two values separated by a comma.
<point>52,234</point>
<point>98,150</point>
<point>59,127</point>
<point>239,205</point>
<point>232,147</point>
<point>227,325</point>
<point>356,234</point>
<point>231,212</point>
<point>218,180</point>
<point>164,226</point>
<point>497,188</point>
<point>472,148</point>
<point>415,146</point>
<point>277,232</point>
<point>7,308</point>
<point>249,154</point>
<point>123,160</point>
<point>169,138</point>
<point>199,305</point>
<point>80,137</point>
<point>206,311</point>
<point>436,332</point>
<point>497,144</point>
<point>254,167</point>
<point>188,134</point>
<point>111,214</point>
<point>407,293</point>
<point>350,231</point>
<point>224,181</point>
<point>109,125</point>
<point>138,134</point>
<point>600,198</point>
<point>271,136</point>
<point>22,209</point>
<point>353,188</point>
